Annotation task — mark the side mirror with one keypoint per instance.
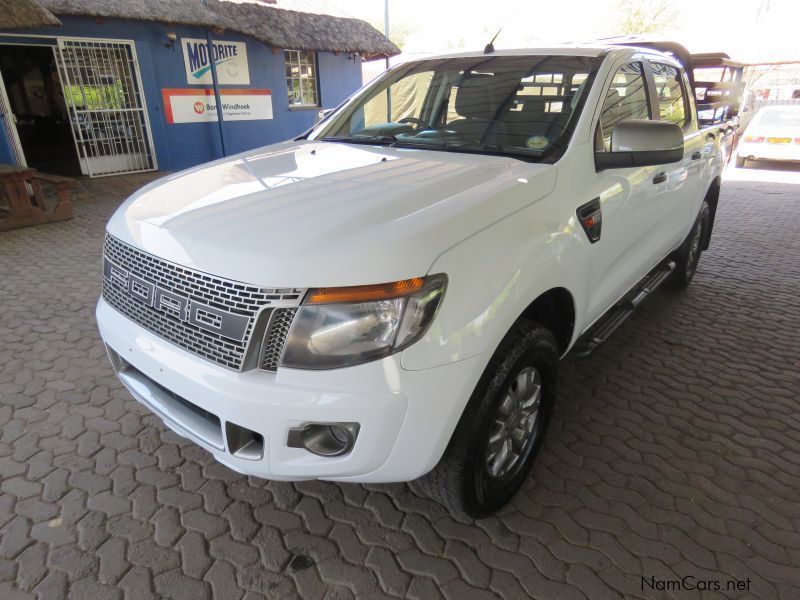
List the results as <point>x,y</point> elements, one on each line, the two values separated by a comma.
<point>322,114</point>
<point>640,144</point>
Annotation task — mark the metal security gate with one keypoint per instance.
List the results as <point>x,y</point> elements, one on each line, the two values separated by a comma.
<point>104,97</point>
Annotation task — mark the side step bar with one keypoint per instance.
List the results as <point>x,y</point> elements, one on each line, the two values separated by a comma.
<point>616,315</point>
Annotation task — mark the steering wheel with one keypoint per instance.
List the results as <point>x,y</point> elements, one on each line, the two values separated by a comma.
<point>414,121</point>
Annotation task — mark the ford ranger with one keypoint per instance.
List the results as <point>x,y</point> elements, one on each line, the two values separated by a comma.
<point>386,298</point>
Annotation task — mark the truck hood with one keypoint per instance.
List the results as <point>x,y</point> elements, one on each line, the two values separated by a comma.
<point>308,214</point>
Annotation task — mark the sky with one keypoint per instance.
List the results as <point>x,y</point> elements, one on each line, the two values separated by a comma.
<point>702,25</point>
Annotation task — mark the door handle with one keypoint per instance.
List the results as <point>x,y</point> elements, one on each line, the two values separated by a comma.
<point>660,178</point>
<point>697,155</point>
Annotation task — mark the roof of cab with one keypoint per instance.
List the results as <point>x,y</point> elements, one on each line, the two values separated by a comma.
<point>593,50</point>
<point>562,50</point>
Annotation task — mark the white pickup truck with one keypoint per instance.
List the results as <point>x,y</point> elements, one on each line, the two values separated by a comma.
<point>387,297</point>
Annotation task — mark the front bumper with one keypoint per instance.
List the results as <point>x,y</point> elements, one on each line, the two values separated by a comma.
<point>405,417</point>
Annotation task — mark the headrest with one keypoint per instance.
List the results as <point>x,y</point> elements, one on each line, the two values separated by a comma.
<point>474,97</point>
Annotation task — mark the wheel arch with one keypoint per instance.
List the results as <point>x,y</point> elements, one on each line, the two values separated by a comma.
<point>555,310</point>
<point>712,198</point>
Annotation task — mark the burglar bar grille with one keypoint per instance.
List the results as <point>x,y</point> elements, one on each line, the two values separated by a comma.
<point>103,93</point>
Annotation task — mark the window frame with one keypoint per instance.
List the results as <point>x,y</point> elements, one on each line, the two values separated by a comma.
<point>688,100</point>
<point>649,86</point>
<point>315,66</point>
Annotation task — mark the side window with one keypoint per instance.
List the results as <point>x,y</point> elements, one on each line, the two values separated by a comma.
<point>671,99</point>
<point>626,99</point>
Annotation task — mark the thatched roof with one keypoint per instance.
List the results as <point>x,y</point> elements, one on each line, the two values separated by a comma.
<point>25,14</point>
<point>290,24</point>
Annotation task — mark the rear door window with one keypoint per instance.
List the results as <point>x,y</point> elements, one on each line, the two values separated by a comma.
<point>671,97</point>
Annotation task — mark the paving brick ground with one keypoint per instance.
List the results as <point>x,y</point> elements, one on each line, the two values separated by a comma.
<point>675,451</point>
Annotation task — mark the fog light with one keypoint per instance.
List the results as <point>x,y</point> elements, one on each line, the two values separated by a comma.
<point>324,439</point>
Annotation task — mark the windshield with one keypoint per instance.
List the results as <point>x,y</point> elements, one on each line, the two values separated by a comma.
<point>524,106</point>
<point>789,117</point>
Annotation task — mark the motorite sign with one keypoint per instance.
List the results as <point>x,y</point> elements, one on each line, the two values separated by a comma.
<point>230,59</point>
<point>200,106</point>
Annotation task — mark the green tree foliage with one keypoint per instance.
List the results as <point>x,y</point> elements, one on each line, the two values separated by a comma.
<point>637,17</point>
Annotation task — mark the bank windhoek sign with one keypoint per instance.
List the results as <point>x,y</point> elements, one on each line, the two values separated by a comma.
<point>229,57</point>
<point>200,106</point>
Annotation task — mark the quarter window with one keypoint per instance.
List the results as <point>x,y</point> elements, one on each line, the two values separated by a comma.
<point>301,78</point>
<point>671,99</point>
<point>626,99</point>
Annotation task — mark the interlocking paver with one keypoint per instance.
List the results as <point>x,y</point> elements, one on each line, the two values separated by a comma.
<point>177,586</point>
<point>222,577</point>
<point>138,583</point>
<point>673,451</point>
<point>392,578</point>
<point>32,566</point>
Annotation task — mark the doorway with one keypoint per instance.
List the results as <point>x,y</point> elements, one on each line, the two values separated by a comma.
<point>36,100</point>
<point>106,102</point>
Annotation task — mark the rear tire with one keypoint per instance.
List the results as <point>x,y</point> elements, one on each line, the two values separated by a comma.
<point>688,255</point>
<point>506,417</point>
<point>739,161</point>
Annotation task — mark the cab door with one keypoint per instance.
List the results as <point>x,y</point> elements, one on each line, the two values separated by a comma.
<point>683,180</point>
<point>629,199</point>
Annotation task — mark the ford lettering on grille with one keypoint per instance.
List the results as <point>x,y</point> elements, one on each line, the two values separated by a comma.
<point>209,318</point>
<point>208,315</point>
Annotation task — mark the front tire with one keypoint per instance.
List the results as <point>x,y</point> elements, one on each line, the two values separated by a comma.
<point>688,255</point>
<point>502,427</point>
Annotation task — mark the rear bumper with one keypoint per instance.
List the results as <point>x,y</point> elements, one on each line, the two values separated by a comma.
<point>405,417</point>
<point>764,151</point>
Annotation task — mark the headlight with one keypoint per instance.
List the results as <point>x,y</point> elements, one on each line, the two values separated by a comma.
<point>340,327</point>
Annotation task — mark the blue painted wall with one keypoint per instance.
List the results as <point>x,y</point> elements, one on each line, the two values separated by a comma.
<point>182,145</point>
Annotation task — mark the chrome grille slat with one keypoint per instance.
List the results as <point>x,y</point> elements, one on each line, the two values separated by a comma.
<point>231,296</point>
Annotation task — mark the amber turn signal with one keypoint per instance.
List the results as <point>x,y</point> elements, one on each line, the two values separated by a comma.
<point>365,293</point>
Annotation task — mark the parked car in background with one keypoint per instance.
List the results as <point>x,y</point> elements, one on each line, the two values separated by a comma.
<point>387,296</point>
<point>773,134</point>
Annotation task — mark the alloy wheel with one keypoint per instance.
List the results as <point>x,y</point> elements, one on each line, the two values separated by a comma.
<point>514,427</point>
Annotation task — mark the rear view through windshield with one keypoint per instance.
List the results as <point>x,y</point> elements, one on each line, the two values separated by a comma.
<point>516,105</point>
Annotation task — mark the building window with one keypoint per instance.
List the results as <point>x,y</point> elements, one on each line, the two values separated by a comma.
<point>301,78</point>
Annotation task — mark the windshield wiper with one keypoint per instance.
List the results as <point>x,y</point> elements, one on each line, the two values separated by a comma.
<point>441,145</point>
<point>492,149</point>
<point>426,144</point>
<point>479,147</point>
<point>382,140</point>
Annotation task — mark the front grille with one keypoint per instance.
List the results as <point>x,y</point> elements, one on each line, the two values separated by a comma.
<point>201,288</point>
<point>277,331</point>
